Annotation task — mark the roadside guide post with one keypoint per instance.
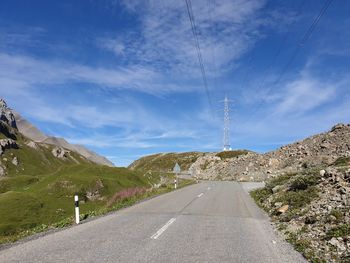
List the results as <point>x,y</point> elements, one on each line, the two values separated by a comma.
<point>176,170</point>
<point>76,204</point>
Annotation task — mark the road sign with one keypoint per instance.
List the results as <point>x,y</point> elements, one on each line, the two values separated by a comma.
<point>177,168</point>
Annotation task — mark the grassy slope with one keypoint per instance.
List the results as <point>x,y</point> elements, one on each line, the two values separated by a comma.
<point>40,189</point>
<point>166,162</point>
<point>231,154</point>
<point>50,199</point>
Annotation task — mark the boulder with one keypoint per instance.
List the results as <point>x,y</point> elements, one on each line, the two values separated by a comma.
<point>7,144</point>
<point>59,152</point>
<point>277,188</point>
<point>14,161</point>
<point>32,144</point>
<point>2,171</point>
<point>283,209</point>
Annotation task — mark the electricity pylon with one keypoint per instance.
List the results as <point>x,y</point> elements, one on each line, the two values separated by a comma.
<point>227,146</point>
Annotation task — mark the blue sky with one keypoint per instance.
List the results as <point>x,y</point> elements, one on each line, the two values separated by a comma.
<point>122,77</point>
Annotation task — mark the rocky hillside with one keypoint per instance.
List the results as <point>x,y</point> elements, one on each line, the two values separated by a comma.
<point>33,133</point>
<point>320,149</point>
<point>165,162</point>
<point>312,210</point>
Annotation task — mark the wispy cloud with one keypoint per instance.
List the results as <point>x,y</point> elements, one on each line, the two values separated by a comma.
<point>305,94</point>
<point>226,28</point>
<point>17,71</point>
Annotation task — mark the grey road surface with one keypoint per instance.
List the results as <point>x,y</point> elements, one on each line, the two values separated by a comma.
<point>206,222</point>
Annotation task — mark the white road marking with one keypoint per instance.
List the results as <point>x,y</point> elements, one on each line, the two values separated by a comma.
<point>200,194</point>
<point>165,227</point>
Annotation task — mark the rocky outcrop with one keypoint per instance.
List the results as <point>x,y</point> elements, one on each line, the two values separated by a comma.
<point>6,115</point>
<point>94,193</point>
<point>32,145</point>
<point>59,152</point>
<point>7,144</point>
<point>318,150</point>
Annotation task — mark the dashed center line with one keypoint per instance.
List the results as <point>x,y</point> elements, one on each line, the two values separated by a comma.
<point>165,227</point>
<point>172,220</point>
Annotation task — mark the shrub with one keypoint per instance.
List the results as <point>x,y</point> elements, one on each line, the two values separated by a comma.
<point>298,199</point>
<point>260,195</point>
<point>303,182</point>
<point>337,214</point>
<point>338,231</point>
<point>126,194</point>
<point>231,154</point>
<point>279,180</point>
<point>342,161</point>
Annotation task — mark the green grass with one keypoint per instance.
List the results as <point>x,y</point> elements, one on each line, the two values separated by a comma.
<point>29,201</point>
<point>338,214</point>
<point>300,191</point>
<point>342,161</point>
<point>304,182</point>
<point>303,246</point>
<point>231,154</point>
<point>38,193</point>
<point>260,195</point>
<point>30,226</point>
<point>165,162</point>
<point>339,231</point>
<point>298,199</point>
<point>279,180</point>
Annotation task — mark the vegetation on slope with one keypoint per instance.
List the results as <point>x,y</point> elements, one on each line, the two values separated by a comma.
<point>37,192</point>
<point>165,162</point>
<point>312,210</point>
<point>231,154</point>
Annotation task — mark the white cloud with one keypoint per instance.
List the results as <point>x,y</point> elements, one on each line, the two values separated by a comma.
<point>305,94</point>
<point>18,72</point>
<point>114,45</point>
<point>227,29</point>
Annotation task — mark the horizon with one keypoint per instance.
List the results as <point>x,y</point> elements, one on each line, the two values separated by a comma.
<point>123,79</point>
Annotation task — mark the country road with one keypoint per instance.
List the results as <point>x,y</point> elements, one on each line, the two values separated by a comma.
<point>206,222</point>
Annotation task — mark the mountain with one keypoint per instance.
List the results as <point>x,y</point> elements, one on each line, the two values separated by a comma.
<point>30,131</point>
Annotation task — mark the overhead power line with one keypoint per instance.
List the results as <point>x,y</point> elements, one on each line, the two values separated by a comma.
<point>198,50</point>
<point>297,49</point>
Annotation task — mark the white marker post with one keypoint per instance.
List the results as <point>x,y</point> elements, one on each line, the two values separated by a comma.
<point>176,170</point>
<point>76,203</point>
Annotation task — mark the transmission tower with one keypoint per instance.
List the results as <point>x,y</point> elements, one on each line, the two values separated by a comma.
<point>227,146</point>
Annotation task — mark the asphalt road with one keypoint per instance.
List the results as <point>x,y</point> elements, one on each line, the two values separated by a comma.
<point>206,222</point>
